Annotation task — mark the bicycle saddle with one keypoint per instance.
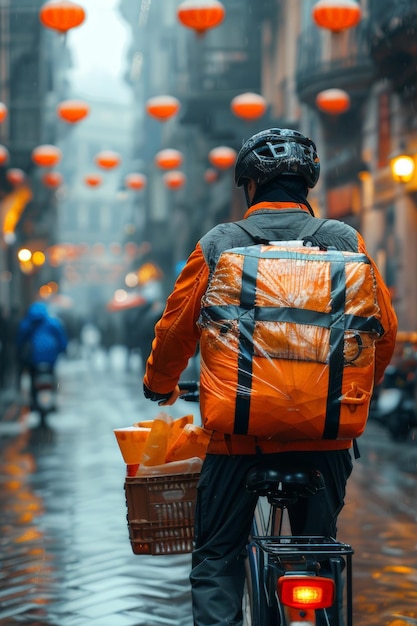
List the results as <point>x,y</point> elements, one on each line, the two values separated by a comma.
<point>301,482</point>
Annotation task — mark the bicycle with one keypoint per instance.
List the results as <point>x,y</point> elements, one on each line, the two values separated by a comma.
<point>43,391</point>
<point>290,580</point>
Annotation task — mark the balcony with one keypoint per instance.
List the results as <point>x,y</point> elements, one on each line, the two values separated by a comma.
<point>326,61</point>
<point>210,87</point>
<point>219,67</point>
<point>393,43</point>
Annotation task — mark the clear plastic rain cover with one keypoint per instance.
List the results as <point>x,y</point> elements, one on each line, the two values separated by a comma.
<point>287,343</point>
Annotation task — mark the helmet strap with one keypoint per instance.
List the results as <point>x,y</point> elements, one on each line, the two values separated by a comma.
<point>246,190</point>
<point>310,208</point>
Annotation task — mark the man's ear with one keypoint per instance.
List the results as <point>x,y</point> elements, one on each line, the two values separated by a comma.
<point>249,187</point>
<point>252,186</point>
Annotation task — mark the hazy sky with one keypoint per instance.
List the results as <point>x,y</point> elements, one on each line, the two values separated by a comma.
<point>98,49</point>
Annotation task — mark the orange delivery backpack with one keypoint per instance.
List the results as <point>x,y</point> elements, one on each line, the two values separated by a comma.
<point>288,333</point>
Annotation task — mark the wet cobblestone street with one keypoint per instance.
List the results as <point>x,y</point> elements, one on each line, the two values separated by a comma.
<point>65,554</point>
<point>380,521</point>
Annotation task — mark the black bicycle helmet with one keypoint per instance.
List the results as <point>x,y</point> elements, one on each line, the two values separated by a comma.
<point>277,151</point>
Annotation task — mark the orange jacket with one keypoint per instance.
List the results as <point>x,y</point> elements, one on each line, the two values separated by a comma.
<point>177,333</point>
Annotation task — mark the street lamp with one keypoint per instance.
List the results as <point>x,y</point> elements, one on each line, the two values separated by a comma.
<point>24,255</point>
<point>402,167</point>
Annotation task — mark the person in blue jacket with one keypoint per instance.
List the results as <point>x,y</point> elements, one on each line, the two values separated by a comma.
<point>40,340</point>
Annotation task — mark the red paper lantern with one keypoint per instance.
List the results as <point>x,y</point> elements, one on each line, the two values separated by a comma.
<point>174,179</point>
<point>52,179</point>
<point>201,15</point>
<point>107,159</point>
<point>211,175</point>
<point>333,101</point>
<point>3,112</point>
<point>131,249</point>
<point>93,180</point>
<point>136,182</point>
<point>115,248</point>
<point>162,108</point>
<point>46,156</point>
<point>249,106</point>
<point>336,15</point>
<point>222,157</point>
<point>72,111</point>
<point>98,249</point>
<point>4,155</point>
<point>61,15</point>
<point>168,159</point>
<point>15,176</point>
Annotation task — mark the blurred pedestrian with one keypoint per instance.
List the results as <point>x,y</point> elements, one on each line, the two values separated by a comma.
<point>90,338</point>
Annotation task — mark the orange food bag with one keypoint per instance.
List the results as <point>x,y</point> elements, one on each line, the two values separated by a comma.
<point>191,442</point>
<point>144,424</point>
<point>177,427</point>
<point>156,443</point>
<point>186,466</point>
<point>132,441</point>
<point>149,423</point>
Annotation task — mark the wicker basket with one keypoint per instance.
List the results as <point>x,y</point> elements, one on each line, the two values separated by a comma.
<point>160,513</point>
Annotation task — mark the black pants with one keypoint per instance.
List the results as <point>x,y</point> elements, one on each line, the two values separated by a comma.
<point>223,517</point>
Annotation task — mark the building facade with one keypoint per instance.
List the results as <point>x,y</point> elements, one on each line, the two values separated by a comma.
<point>276,49</point>
<point>32,68</point>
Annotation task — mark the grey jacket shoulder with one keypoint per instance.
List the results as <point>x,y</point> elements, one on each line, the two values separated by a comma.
<point>346,236</point>
<point>282,225</point>
<point>222,237</point>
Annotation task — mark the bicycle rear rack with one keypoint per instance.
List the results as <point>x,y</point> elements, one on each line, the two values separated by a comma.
<point>290,549</point>
<point>293,543</point>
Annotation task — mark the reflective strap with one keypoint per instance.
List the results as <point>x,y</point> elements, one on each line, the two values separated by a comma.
<point>308,317</point>
<point>336,341</point>
<point>246,347</point>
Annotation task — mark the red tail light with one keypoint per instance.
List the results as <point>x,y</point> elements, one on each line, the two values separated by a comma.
<point>306,592</point>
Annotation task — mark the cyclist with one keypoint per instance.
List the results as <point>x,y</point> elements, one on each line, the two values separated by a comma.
<point>40,340</point>
<point>276,168</point>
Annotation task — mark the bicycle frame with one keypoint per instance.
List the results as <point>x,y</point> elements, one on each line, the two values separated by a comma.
<point>281,566</point>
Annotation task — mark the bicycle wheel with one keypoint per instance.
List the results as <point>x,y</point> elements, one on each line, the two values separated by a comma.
<point>251,596</point>
<point>255,607</point>
<point>247,603</point>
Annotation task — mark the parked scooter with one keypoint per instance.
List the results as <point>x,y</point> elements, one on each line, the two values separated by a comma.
<point>43,391</point>
<point>394,402</point>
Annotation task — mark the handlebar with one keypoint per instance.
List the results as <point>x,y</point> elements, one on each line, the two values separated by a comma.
<point>190,390</point>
